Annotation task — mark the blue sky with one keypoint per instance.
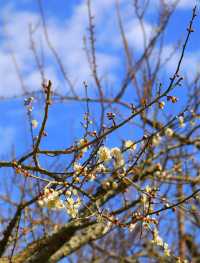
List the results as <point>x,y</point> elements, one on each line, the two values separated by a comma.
<point>67,24</point>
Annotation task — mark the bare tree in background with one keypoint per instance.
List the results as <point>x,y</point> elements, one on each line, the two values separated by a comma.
<point>135,202</point>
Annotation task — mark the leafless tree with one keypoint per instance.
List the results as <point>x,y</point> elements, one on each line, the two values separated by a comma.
<point>135,202</point>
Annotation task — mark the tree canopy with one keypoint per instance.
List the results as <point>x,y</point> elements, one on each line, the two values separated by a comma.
<point>127,189</point>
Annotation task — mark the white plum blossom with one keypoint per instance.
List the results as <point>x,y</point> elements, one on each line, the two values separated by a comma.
<point>34,124</point>
<point>181,121</point>
<point>157,240</point>
<point>130,145</point>
<point>83,142</point>
<point>116,153</point>
<point>169,132</point>
<point>118,157</point>
<point>100,168</point>
<point>132,227</point>
<point>156,139</point>
<point>104,154</point>
<point>51,199</point>
<point>166,250</point>
<point>72,206</point>
<point>78,168</point>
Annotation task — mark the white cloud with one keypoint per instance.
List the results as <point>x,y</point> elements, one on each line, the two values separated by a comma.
<point>183,4</point>
<point>135,36</point>
<point>189,66</point>
<point>67,38</point>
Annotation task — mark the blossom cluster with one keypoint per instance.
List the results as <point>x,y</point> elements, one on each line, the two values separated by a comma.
<point>156,140</point>
<point>105,154</point>
<point>72,204</point>
<point>157,240</point>
<point>51,199</point>
<point>88,173</point>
